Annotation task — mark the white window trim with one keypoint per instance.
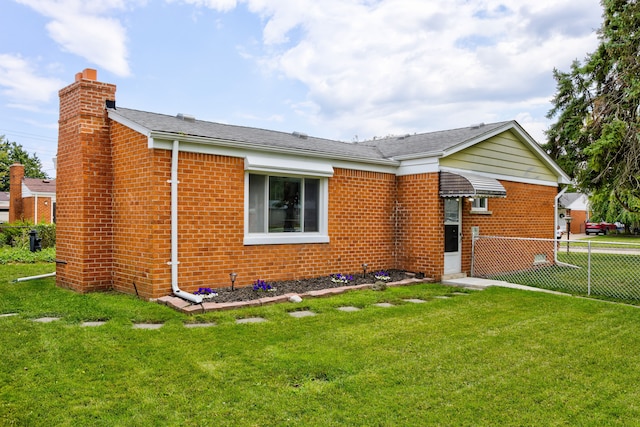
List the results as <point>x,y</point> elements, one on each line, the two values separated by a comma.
<point>480,209</point>
<point>320,236</point>
<point>287,167</point>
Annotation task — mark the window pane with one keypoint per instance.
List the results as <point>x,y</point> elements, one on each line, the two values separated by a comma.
<point>451,210</point>
<point>284,204</point>
<point>256,203</point>
<point>311,204</point>
<point>479,203</point>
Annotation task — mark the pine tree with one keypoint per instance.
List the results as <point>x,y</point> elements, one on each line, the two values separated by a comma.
<point>596,136</point>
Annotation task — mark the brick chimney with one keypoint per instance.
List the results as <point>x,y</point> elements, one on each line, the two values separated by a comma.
<point>16,210</point>
<point>84,181</point>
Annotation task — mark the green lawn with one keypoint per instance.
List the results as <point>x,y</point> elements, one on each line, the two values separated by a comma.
<point>617,238</point>
<point>495,357</point>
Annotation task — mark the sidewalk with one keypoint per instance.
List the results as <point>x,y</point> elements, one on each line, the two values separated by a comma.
<point>482,284</point>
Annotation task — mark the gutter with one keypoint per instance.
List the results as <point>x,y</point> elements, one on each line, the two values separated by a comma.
<point>156,139</point>
<point>555,225</point>
<point>197,299</point>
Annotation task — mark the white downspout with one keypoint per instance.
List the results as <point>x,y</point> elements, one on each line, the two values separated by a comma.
<point>40,276</point>
<point>555,224</point>
<point>174,229</point>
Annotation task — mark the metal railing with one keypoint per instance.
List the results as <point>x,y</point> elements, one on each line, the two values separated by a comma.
<point>581,267</point>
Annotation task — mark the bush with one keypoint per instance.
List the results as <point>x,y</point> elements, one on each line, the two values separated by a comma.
<point>12,233</point>
<point>47,232</point>
<point>16,234</point>
<point>24,255</point>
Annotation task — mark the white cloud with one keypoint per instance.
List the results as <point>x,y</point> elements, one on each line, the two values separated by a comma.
<point>220,5</point>
<point>22,86</point>
<point>81,28</point>
<point>387,64</point>
<point>381,66</point>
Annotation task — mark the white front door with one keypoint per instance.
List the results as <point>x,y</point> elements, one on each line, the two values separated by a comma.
<point>452,236</point>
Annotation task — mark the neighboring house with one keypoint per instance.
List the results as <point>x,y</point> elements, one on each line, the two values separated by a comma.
<point>151,203</point>
<point>4,206</point>
<point>32,199</point>
<point>576,207</point>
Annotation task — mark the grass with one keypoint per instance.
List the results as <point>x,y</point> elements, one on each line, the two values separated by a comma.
<point>612,275</point>
<point>496,357</point>
<point>617,238</point>
<point>614,272</point>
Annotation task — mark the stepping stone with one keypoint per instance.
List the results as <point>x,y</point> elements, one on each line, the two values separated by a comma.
<point>415,300</point>
<point>90,324</point>
<point>251,320</point>
<point>8,314</point>
<point>442,297</point>
<point>348,309</point>
<point>383,304</point>
<point>302,313</point>
<point>198,325</point>
<point>46,319</point>
<point>147,325</point>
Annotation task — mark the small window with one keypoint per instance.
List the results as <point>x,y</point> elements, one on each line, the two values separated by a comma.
<point>539,259</point>
<point>479,204</point>
<point>286,209</point>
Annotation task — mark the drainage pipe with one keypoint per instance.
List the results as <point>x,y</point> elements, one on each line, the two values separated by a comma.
<point>174,229</point>
<point>41,276</point>
<point>555,224</point>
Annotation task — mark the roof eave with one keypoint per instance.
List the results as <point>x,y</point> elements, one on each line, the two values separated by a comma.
<point>563,178</point>
<point>156,138</point>
<point>414,156</point>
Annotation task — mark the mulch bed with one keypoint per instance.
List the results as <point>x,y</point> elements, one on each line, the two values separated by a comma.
<point>297,287</point>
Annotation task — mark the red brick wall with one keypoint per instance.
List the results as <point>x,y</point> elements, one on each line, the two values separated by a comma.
<point>84,180</point>
<point>578,220</point>
<point>43,212</point>
<point>16,209</point>
<point>527,211</point>
<point>28,209</point>
<point>211,223</point>
<point>420,213</point>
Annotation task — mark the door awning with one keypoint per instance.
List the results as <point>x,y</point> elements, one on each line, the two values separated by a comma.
<point>466,184</point>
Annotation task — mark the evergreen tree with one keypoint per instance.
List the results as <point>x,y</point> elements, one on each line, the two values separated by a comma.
<point>597,103</point>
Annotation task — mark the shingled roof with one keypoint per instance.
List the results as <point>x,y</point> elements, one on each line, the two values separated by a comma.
<point>248,136</point>
<point>373,150</point>
<point>433,142</point>
<point>39,185</point>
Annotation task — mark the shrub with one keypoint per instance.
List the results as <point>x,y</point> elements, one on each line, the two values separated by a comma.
<point>14,231</point>
<point>23,255</point>
<point>16,234</point>
<point>47,232</point>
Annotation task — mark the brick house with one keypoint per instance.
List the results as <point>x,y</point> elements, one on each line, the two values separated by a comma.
<point>31,199</point>
<point>152,203</point>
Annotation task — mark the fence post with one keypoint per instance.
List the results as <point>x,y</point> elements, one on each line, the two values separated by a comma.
<point>474,237</point>
<point>589,268</point>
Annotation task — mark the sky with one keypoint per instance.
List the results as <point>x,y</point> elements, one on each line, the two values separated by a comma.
<point>340,69</point>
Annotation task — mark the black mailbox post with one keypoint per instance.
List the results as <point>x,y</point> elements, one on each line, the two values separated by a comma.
<point>35,243</point>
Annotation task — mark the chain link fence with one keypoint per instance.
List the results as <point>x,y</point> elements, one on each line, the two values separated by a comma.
<point>581,267</point>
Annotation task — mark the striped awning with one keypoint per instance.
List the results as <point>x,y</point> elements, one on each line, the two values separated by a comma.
<point>466,184</point>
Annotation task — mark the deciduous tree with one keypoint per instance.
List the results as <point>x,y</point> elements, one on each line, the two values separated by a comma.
<point>12,152</point>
